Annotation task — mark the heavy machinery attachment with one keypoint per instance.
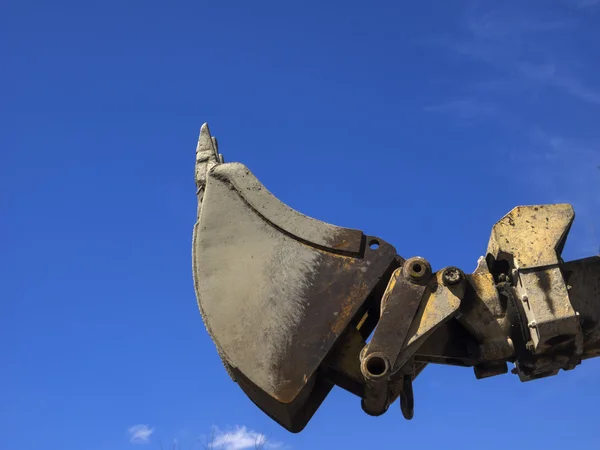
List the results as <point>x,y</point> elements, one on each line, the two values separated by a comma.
<point>296,306</point>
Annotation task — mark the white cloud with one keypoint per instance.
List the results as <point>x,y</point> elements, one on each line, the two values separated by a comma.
<point>241,438</point>
<point>140,434</point>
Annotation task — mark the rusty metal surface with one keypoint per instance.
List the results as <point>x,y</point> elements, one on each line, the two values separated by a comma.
<point>259,286</point>
<point>398,308</point>
<point>449,344</point>
<point>276,289</point>
<point>583,283</point>
<point>436,309</point>
<point>285,219</point>
<point>485,317</point>
<point>417,303</point>
<point>481,311</point>
<point>533,236</point>
<point>530,240</point>
<point>343,364</point>
<point>290,301</point>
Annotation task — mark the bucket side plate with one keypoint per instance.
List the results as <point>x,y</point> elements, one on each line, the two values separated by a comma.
<point>276,289</point>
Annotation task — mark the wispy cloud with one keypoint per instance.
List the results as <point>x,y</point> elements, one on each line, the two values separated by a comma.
<point>241,438</point>
<point>533,79</point>
<point>464,109</point>
<point>526,49</point>
<point>550,75</point>
<point>567,170</point>
<point>587,3</point>
<point>493,21</point>
<point>140,434</point>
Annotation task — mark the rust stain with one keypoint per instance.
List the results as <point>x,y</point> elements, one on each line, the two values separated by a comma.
<point>347,309</point>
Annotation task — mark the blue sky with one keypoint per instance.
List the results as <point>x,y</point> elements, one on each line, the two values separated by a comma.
<point>420,122</point>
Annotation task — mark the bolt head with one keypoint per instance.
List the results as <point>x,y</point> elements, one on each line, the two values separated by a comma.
<point>417,269</point>
<point>452,276</point>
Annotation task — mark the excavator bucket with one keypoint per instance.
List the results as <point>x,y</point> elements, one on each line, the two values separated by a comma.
<point>277,289</point>
<point>296,306</point>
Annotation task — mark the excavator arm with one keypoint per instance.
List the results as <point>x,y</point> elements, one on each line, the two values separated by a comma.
<point>296,306</point>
